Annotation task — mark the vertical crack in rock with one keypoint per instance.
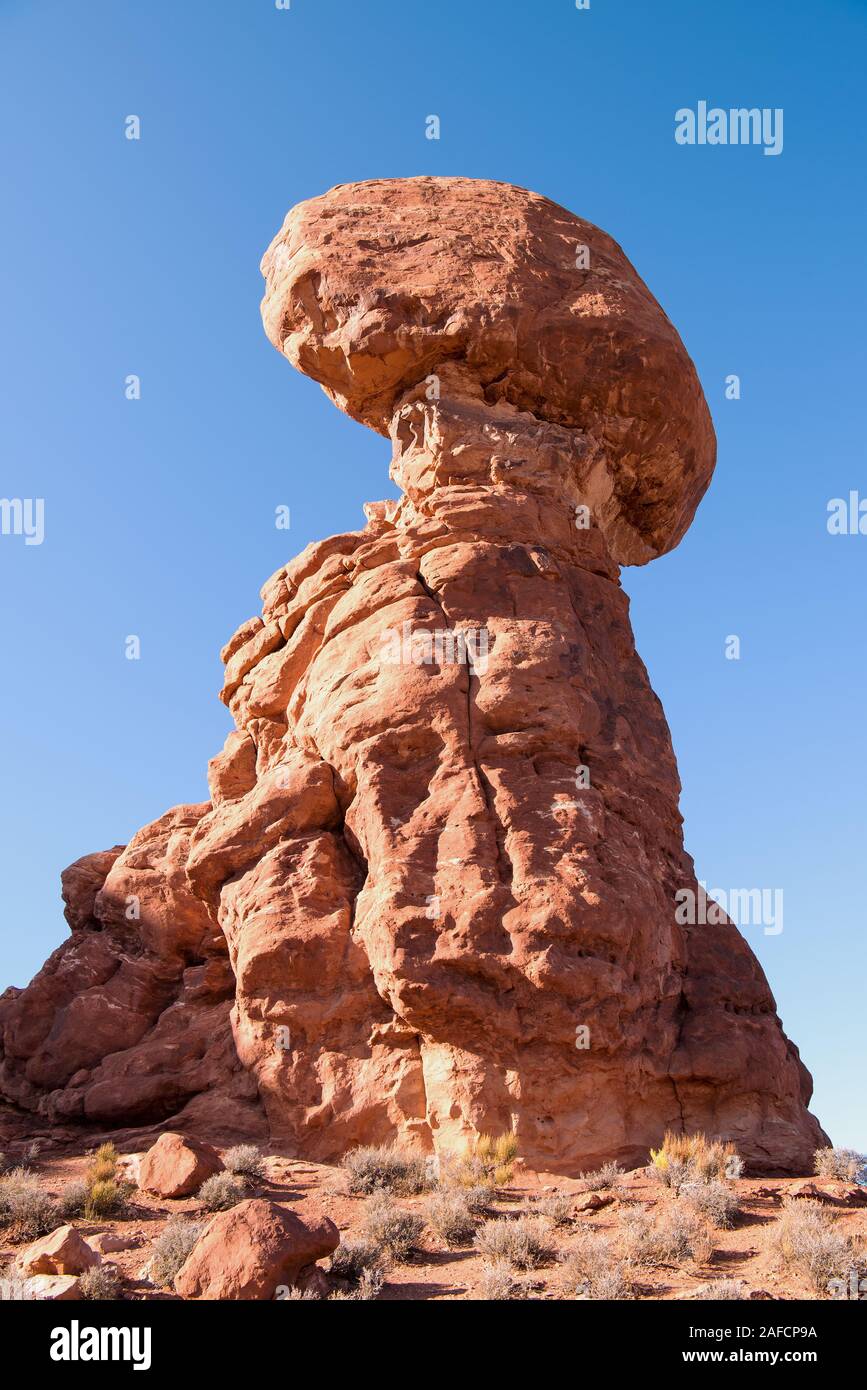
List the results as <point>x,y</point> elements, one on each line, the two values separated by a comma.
<point>504,866</point>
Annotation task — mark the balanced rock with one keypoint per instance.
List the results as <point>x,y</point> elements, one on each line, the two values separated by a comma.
<point>251,1250</point>
<point>177,1165</point>
<point>434,892</point>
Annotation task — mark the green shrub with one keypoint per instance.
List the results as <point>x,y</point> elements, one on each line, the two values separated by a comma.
<point>106,1199</point>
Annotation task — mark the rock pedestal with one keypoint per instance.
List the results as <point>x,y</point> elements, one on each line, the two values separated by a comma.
<point>437,878</point>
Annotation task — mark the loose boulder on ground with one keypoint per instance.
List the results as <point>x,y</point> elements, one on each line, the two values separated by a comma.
<point>177,1166</point>
<point>253,1249</point>
<point>64,1251</point>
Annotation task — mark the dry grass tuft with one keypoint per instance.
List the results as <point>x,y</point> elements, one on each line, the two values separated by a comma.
<point>489,1161</point>
<point>690,1158</point>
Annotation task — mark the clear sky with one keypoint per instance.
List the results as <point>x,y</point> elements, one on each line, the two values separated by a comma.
<point>123,257</point>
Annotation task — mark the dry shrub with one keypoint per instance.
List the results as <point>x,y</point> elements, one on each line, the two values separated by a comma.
<point>14,1289</point>
<point>367,1289</point>
<point>593,1271</point>
<point>221,1191</point>
<point>498,1283</point>
<point>714,1200</point>
<point>521,1242</point>
<point>101,1283</point>
<point>478,1198</point>
<point>392,1229</point>
<point>73,1200</point>
<point>356,1256</point>
<point>805,1240</point>
<point>448,1213</point>
<point>557,1208</point>
<point>677,1233</point>
<point>384,1169</point>
<point>244,1160</point>
<point>722,1290</point>
<point>171,1248</point>
<point>28,1160</point>
<point>608,1178</point>
<point>25,1208</point>
<point>844,1164</point>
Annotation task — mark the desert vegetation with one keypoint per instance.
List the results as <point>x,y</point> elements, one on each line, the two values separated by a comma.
<point>473,1226</point>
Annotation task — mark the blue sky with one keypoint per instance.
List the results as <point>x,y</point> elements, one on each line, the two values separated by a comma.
<point>142,257</point>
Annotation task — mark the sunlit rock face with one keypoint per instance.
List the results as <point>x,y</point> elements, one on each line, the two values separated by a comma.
<point>434,891</point>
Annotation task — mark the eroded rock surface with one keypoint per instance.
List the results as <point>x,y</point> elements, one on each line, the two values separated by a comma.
<point>444,836</point>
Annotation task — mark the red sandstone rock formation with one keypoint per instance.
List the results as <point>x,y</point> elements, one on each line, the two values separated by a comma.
<point>430,860</point>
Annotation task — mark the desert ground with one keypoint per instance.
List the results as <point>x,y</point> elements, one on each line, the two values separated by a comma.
<point>528,1235</point>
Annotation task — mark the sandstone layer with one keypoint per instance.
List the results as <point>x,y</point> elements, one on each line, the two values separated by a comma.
<point>433,892</point>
